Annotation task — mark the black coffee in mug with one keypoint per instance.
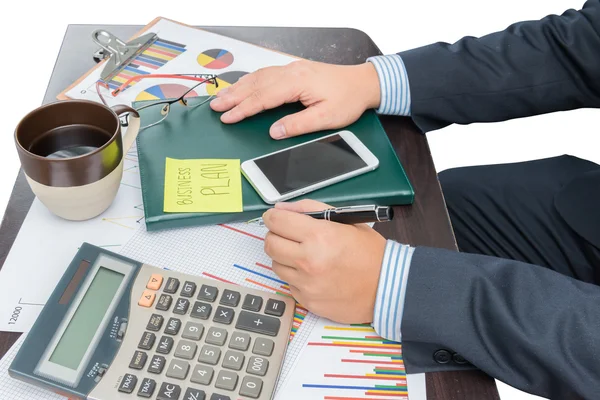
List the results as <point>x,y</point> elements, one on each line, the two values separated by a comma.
<point>70,141</point>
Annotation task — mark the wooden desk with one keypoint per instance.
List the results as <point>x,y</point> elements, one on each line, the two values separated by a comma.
<point>425,223</point>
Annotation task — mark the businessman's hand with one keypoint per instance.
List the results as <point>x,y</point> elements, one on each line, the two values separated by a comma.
<point>332,269</point>
<point>335,95</point>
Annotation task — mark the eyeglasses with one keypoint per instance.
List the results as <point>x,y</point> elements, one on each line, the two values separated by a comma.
<point>160,97</point>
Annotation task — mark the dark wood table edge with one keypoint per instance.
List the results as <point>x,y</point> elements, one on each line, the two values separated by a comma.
<point>21,199</point>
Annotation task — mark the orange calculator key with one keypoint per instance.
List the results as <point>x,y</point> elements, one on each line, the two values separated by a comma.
<point>154,282</point>
<point>147,298</point>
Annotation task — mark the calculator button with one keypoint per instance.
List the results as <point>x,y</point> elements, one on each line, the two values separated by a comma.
<point>201,310</point>
<point>252,303</point>
<point>178,369</point>
<point>216,336</point>
<point>257,323</point>
<point>171,286</point>
<point>147,341</point>
<point>157,364</point>
<point>202,374</point>
<point>165,345</point>
<point>209,355</point>
<point>193,331</point>
<point>188,289</point>
<point>275,307</point>
<point>155,323</point>
<point>251,387</point>
<point>128,383</point>
<point>181,306</point>
<point>217,396</point>
<point>164,302</point>
<point>230,298</point>
<point>194,394</point>
<point>147,299</point>
<point>224,315</point>
<point>257,366</point>
<point>138,360</point>
<point>226,380</point>
<point>186,349</point>
<point>154,282</point>
<point>168,391</point>
<point>173,326</point>
<point>233,360</point>
<point>239,341</point>
<point>263,347</point>
<point>147,388</point>
<point>208,293</point>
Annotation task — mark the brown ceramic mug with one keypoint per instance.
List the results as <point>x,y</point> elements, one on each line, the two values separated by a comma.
<point>72,155</point>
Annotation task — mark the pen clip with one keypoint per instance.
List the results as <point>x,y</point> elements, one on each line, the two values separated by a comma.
<point>351,209</point>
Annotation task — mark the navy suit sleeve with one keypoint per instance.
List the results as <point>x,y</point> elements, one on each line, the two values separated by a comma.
<point>532,67</point>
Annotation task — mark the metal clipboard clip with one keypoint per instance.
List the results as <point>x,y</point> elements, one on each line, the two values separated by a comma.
<point>119,53</point>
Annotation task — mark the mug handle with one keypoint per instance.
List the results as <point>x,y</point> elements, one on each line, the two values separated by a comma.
<point>134,124</point>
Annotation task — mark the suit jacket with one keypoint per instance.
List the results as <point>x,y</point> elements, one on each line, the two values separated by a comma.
<point>528,326</point>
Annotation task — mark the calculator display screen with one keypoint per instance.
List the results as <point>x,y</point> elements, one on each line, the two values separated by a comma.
<point>86,320</point>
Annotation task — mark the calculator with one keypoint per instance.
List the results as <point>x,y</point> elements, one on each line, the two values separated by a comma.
<point>115,328</point>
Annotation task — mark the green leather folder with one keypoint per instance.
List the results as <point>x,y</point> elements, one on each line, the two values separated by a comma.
<point>192,133</point>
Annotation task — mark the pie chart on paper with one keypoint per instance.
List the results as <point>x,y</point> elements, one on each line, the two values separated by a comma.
<point>215,59</point>
<point>164,91</point>
<point>223,81</point>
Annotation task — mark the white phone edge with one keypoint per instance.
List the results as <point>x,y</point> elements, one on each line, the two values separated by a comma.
<point>270,195</point>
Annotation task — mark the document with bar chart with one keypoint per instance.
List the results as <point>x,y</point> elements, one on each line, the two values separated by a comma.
<point>179,49</point>
<point>350,362</point>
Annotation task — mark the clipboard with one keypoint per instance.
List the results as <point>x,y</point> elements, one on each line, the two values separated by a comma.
<point>141,41</point>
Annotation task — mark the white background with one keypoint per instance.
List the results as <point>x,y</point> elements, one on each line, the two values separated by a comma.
<point>32,32</point>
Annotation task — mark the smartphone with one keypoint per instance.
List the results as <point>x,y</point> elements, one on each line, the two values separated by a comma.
<point>308,166</point>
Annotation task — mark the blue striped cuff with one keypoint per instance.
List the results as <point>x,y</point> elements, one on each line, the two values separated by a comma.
<point>393,83</point>
<point>389,305</point>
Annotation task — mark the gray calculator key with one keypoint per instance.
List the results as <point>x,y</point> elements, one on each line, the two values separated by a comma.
<point>157,364</point>
<point>173,326</point>
<point>217,396</point>
<point>194,394</point>
<point>224,315</point>
<point>202,374</point>
<point>251,387</point>
<point>201,310</point>
<point>178,369</point>
<point>128,383</point>
<point>209,355</point>
<point>147,388</point>
<point>239,341</point>
<point>208,293</point>
<point>258,323</point>
<point>188,289</point>
<point>164,302</point>
<point>252,303</point>
<point>186,349</point>
<point>233,360</point>
<point>226,380</point>
<point>138,360</point>
<point>155,323</point>
<point>165,345</point>
<point>275,307</point>
<point>168,391</point>
<point>171,286</point>
<point>257,366</point>
<point>216,336</point>
<point>230,298</point>
<point>263,347</point>
<point>181,306</point>
<point>147,341</point>
<point>192,330</point>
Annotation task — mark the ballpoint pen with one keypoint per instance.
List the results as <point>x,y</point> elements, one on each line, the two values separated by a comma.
<point>347,215</point>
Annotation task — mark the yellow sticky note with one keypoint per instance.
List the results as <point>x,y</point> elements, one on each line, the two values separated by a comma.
<point>203,185</point>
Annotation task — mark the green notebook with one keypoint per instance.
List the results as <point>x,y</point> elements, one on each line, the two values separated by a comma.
<point>198,133</point>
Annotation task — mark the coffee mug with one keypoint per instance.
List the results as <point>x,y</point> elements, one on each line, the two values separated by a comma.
<point>72,153</point>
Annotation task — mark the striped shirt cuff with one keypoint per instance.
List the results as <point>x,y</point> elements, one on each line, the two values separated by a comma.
<point>393,83</point>
<point>391,291</point>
